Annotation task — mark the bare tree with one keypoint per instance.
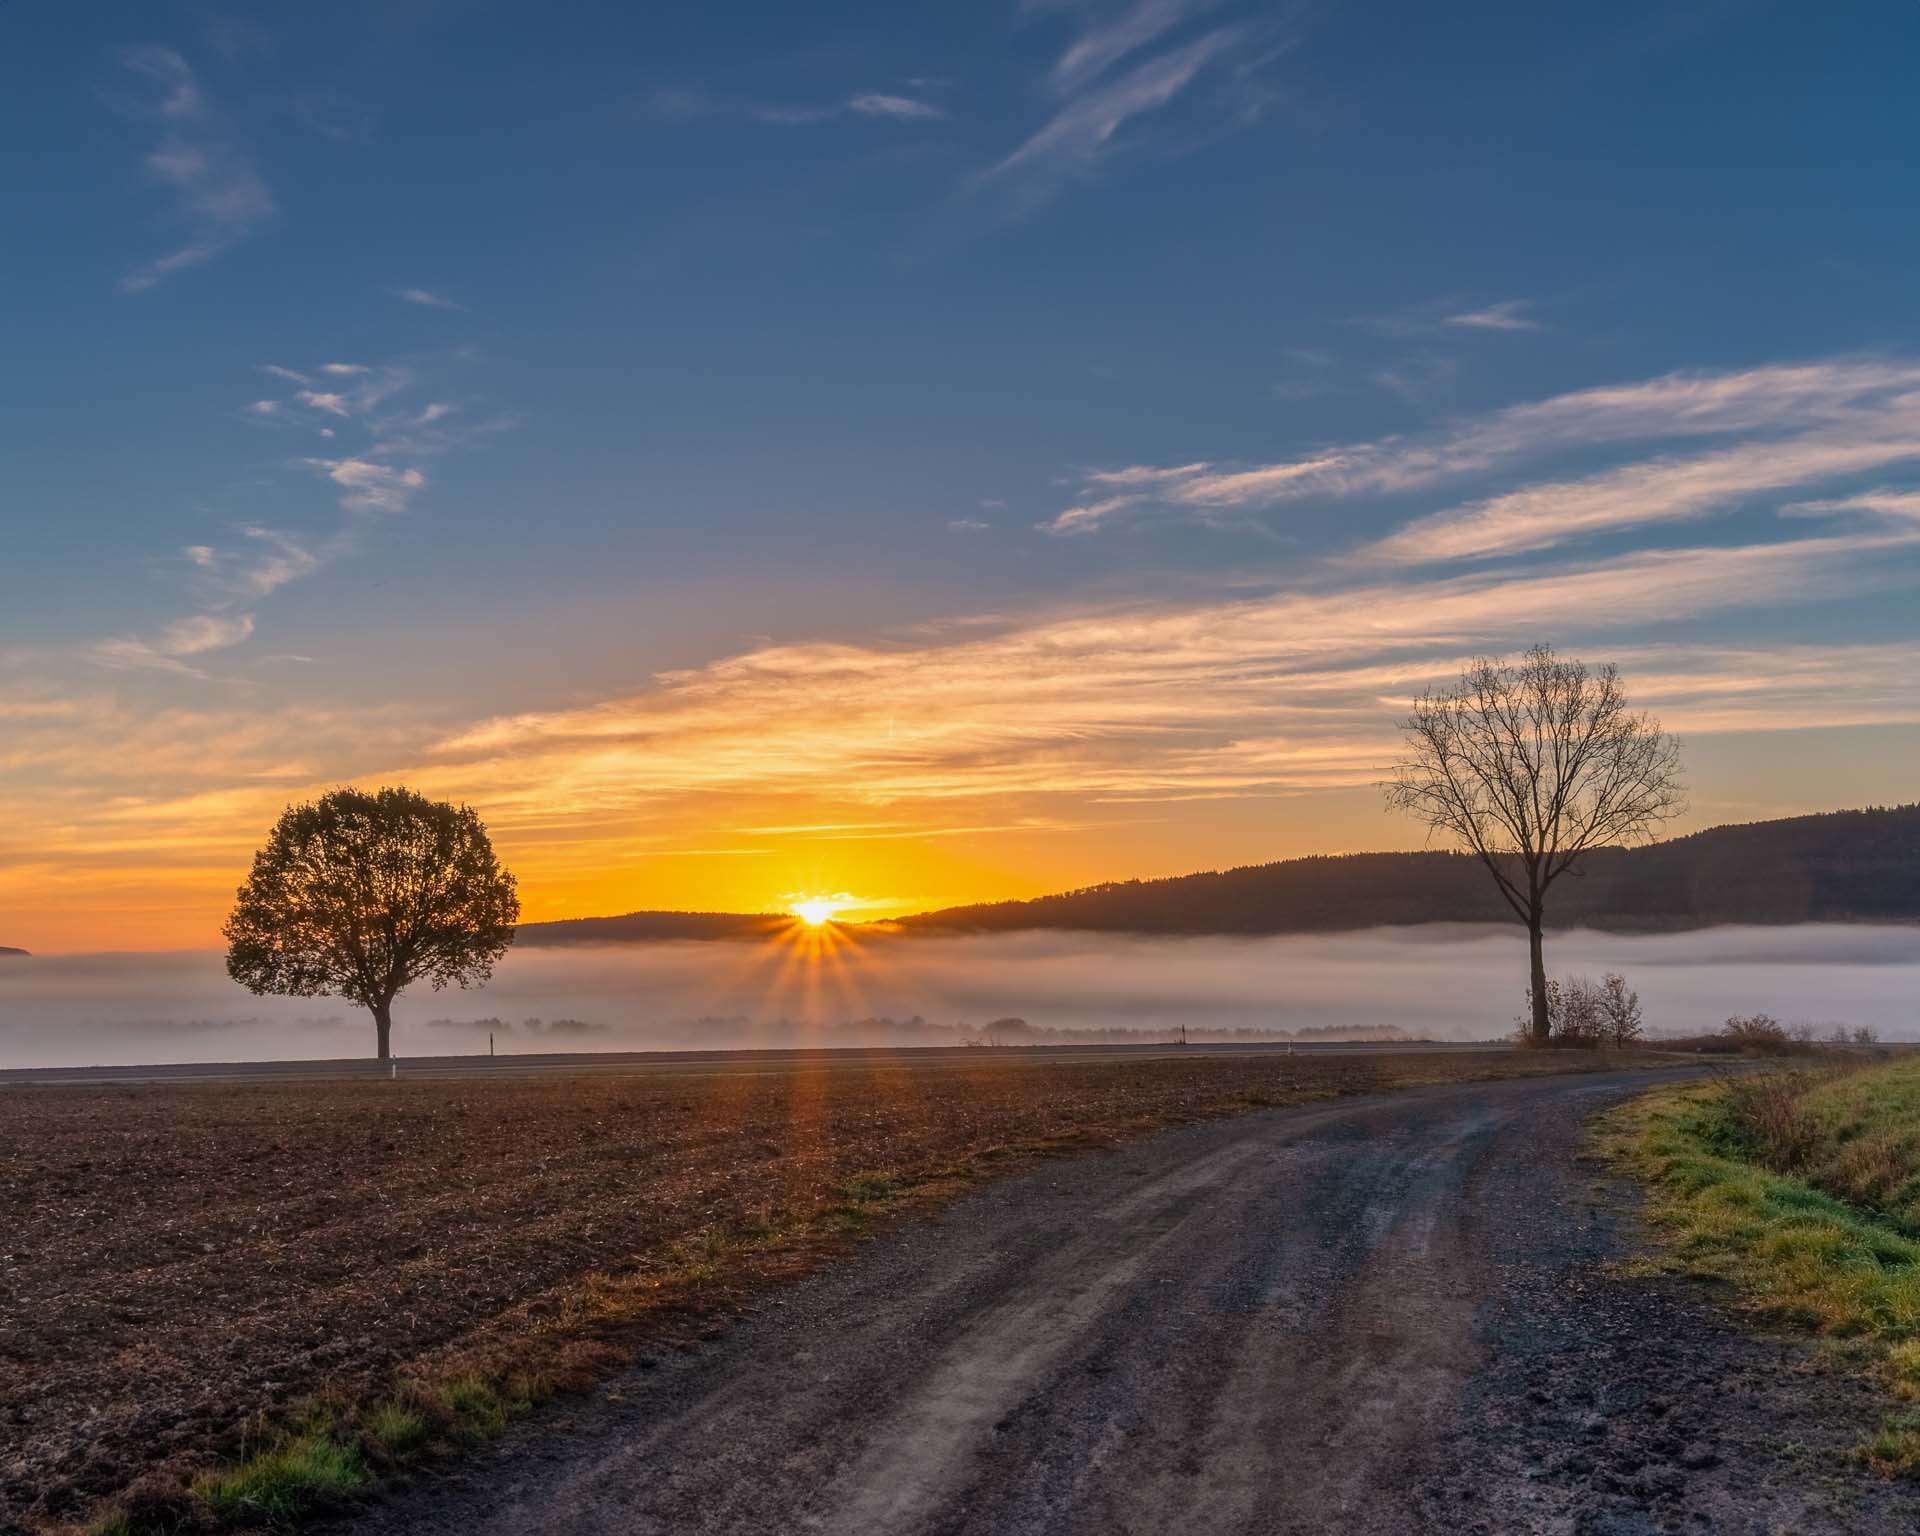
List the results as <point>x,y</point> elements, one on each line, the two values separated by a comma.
<point>1530,765</point>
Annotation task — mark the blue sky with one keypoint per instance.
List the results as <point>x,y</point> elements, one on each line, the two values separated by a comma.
<point>733,444</point>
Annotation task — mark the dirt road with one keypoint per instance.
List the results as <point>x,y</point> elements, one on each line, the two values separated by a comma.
<point>1390,1315</point>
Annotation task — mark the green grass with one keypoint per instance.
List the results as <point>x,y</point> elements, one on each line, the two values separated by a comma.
<point>863,1196</point>
<point>285,1481</point>
<point>1856,1135</point>
<point>480,1407</point>
<point>398,1429</point>
<point>1797,1252</point>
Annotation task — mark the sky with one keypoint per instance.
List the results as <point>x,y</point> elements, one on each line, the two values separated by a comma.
<point>923,453</point>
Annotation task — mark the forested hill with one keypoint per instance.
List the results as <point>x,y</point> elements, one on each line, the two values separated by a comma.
<point>5,952</point>
<point>1847,866</point>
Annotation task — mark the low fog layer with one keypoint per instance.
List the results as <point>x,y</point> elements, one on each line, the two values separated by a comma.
<point>1444,983</point>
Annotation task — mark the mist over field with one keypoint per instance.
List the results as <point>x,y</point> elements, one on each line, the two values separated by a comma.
<point>1443,982</point>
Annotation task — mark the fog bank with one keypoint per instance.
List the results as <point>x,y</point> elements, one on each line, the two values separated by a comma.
<point>1441,982</point>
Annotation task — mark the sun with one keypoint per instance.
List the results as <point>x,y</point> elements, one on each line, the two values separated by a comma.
<point>814,911</point>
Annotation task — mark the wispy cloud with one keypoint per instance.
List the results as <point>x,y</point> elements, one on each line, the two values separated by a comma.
<point>1079,717</point>
<point>266,561</point>
<point>1834,414</point>
<point>370,486</point>
<point>381,476</point>
<point>1662,490</point>
<point>351,392</point>
<point>1881,503</point>
<point>229,580</point>
<point>168,650</point>
<point>1437,318</point>
<point>689,104</point>
<point>1077,135</point>
<point>1112,34</point>
<point>879,104</point>
<point>1290,690</point>
<point>427,298</point>
<point>1507,315</point>
<point>219,195</point>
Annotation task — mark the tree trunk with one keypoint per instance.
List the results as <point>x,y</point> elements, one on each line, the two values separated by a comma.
<point>383,1028</point>
<point>1542,1023</point>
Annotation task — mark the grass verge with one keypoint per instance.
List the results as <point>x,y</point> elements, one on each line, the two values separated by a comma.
<point>1797,1254</point>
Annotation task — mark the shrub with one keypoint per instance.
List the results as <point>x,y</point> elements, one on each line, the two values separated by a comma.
<point>1620,1010</point>
<point>1583,1014</point>
<point>1758,1029</point>
<point>1582,1023</point>
<point>1769,1116</point>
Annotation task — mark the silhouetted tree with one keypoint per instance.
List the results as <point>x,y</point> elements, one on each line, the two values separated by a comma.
<point>1530,765</point>
<point>359,895</point>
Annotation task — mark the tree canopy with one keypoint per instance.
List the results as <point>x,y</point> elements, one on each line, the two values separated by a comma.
<point>360,894</point>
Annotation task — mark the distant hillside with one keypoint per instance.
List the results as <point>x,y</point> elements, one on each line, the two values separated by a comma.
<point>1847,866</point>
<point>637,927</point>
<point>15,953</point>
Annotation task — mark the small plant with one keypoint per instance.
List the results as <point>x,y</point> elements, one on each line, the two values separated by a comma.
<point>398,1429</point>
<point>1768,1117</point>
<point>1895,1450</point>
<point>870,1188</point>
<point>481,1408</point>
<point>859,1195</point>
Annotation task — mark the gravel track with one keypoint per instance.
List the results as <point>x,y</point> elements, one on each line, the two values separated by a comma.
<point>1389,1315</point>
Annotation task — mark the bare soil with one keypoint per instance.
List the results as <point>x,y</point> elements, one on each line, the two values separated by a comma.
<point>178,1264</point>
<point>1391,1315</point>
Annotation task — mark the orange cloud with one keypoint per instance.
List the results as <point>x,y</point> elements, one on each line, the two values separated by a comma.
<point>980,758</point>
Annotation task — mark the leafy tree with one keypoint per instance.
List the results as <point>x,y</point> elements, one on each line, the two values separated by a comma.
<point>1530,765</point>
<point>359,895</point>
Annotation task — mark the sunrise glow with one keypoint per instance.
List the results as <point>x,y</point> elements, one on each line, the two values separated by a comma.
<point>1032,588</point>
